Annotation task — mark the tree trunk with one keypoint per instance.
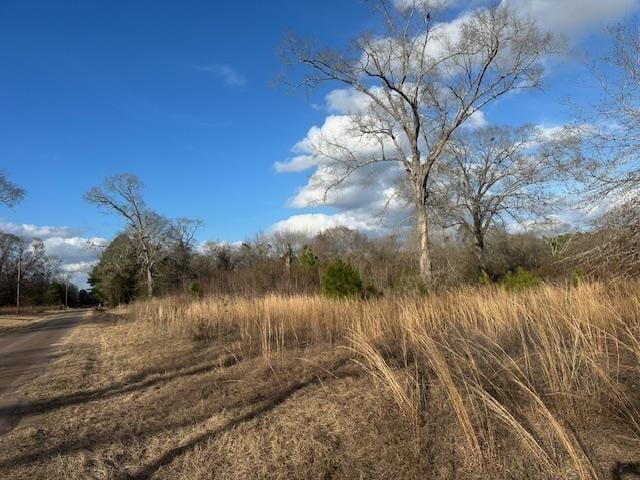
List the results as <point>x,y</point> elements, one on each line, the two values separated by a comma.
<point>478,240</point>
<point>422,222</point>
<point>149,282</point>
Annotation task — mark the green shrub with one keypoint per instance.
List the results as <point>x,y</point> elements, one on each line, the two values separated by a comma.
<point>340,279</point>
<point>308,259</point>
<point>195,290</point>
<point>578,277</point>
<point>520,279</point>
<point>484,279</point>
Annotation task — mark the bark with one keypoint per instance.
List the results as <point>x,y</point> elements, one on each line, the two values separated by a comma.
<point>478,238</point>
<point>149,282</point>
<point>422,223</point>
<point>479,252</point>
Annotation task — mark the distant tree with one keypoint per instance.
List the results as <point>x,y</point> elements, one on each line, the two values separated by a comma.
<point>116,277</point>
<point>31,256</point>
<point>8,247</point>
<point>340,279</point>
<point>122,194</point>
<point>10,194</point>
<point>175,267</point>
<point>85,298</point>
<point>520,279</point>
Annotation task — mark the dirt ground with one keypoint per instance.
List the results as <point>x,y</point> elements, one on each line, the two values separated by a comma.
<point>124,402</point>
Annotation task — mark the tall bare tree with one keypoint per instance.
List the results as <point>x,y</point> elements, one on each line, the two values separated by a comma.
<point>494,175</point>
<point>422,80</point>
<point>122,194</point>
<point>10,194</point>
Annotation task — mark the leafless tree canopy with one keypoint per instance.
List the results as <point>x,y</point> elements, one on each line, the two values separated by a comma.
<point>151,233</point>
<point>612,139</point>
<point>422,80</point>
<point>10,194</point>
<point>492,175</point>
<point>122,194</point>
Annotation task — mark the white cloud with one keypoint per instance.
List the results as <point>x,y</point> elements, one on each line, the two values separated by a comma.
<point>78,267</point>
<point>568,18</point>
<point>30,231</point>
<point>74,249</point>
<point>361,219</point>
<point>227,73</point>
<point>573,17</point>
<point>432,4</point>
<point>347,101</point>
<point>477,120</point>
<point>366,200</point>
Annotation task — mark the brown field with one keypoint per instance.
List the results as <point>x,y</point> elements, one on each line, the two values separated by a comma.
<point>470,383</point>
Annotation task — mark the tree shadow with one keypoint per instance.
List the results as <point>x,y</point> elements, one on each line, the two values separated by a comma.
<point>150,469</point>
<point>258,404</point>
<point>127,386</point>
<point>622,470</point>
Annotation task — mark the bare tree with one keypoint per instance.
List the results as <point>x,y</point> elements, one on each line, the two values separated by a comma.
<point>421,81</point>
<point>8,247</point>
<point>122,194</point>
<point>611,135</point>
<point>612,131</point>
<point>494,175</point>
<point>10,194</point>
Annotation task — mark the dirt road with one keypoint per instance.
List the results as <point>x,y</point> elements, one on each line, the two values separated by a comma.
<point>25,355</point>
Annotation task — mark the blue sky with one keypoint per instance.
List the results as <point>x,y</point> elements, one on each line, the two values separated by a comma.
<point>89,89</point>
<point>180,94</point>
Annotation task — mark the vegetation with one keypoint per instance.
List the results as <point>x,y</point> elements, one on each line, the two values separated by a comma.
<point>520,279</point>
<point>30,277</point>
<point>341,280</point>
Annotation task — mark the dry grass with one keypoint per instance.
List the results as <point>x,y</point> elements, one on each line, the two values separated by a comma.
<point>547,379</point>
<point>475,384</point>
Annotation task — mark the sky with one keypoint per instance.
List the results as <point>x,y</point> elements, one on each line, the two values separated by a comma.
<point>185,95</point>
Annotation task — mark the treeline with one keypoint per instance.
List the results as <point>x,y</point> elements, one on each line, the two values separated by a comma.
<point>339,258</point>
<point>30,277</point>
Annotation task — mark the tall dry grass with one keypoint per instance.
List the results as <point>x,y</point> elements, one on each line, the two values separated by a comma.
<point>525,373</point>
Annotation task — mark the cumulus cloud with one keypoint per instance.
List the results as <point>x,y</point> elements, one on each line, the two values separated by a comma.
<point>573,17</point>
<point>30,231</point>
<point>347,101</point>
<point>336,129</point>
<point>365,200</point>
<point>227,74</point>
<point>477,120</point>
<point>562,17</point>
